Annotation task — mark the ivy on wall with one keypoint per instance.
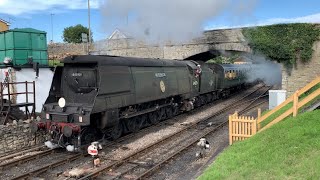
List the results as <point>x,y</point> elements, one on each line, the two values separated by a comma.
<point>284,42</point>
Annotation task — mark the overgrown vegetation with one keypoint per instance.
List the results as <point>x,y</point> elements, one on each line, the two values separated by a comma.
<point>223,59</point>
<point>288,150</point>
<point>54,63</point>
<point>284,43</point>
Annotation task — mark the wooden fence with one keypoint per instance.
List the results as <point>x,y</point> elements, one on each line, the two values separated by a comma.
<point>241,127</point>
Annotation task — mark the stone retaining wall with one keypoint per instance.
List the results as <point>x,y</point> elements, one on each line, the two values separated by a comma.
<point>18,135</point>
<point>61,50</point>
<point>302,73</point>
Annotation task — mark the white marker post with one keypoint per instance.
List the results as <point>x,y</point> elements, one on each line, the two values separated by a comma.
<point>93,151</point>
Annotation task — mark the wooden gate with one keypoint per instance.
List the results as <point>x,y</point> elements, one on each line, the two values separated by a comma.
<point>241,127</point>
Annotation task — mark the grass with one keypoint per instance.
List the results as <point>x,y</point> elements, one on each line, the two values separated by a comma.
<point>289,105</point>
<point>275,115</point>
<point>288,150</point>
<point>54,63</point>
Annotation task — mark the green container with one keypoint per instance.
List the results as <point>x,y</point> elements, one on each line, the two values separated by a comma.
<point>23,45</point>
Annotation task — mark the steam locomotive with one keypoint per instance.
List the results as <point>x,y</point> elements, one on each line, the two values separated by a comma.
<point>106,96</point>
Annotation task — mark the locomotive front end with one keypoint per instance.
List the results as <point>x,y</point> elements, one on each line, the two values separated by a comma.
<point>67,111</point>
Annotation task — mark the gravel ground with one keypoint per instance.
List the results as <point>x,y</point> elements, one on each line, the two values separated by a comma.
<point>143,139</point>
<point>188,166</point>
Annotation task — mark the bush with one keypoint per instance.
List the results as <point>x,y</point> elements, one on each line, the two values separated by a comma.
<point>284,42</point>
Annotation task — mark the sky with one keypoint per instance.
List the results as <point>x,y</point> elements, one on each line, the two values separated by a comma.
<point>37,14</point>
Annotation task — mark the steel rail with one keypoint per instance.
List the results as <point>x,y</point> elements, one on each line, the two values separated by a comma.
<point>47,167</point>
<point>206,133</point>
<point>26,158</point>
<point>117,163</point>
<point>126,158</point>
<point>5,157</point>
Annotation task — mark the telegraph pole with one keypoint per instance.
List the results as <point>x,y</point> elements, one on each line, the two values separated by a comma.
<point>89,22</point>
<point>51,28</point>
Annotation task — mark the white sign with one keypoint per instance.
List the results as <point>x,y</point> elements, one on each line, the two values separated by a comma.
<point>84,37</point>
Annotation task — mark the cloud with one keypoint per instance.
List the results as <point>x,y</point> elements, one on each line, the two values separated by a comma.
<point>314,18</point>
<point>19,7</point>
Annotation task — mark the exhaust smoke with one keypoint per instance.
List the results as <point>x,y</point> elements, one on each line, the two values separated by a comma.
<point>160,21</point>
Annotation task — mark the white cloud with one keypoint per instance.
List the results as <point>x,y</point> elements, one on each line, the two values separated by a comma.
<point>19,7</point>
<point>314,18</point>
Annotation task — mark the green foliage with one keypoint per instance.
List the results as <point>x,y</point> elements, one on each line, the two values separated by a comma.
<point>72,34</point>
<point>288,150</point>
<point>284,42</point>
<point>223,59</point>
<point>54,63</point>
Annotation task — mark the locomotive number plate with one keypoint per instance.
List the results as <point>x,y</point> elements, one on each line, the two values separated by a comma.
<point>76,74</point>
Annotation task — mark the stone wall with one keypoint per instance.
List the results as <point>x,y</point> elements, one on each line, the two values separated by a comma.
<point>227,39</point>
<point>302,73</point>
<point>60,50</point>
<point>18,135</point>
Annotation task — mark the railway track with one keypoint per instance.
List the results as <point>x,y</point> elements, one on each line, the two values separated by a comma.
<point>170,145</point>
<point>20,153</point>
<point>38,171</point>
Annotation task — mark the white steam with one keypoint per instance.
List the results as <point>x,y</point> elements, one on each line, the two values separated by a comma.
<point>70,148</point>
<point>159,21</point>
<point>51,145</point>
<point>266,70</point>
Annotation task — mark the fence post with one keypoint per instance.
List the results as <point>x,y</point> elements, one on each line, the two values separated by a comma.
<point>254,129</point>
<point>259,116</point>
<point>230,129</point>
<point>295,104</point>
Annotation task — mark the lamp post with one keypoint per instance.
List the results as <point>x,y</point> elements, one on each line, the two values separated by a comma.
<point>51,28</point>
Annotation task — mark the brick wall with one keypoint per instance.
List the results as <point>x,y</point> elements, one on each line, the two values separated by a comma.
<point>302,73</point>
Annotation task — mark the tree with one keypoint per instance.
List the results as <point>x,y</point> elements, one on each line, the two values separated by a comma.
<point>72,34</point>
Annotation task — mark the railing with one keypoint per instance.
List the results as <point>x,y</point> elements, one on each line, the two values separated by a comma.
<point>241,127</point>
<point>10,93</point>
<point>6,105</point>
<point>295,107</point>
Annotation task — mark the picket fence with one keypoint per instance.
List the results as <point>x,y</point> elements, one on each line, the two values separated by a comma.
<point>243,127</point>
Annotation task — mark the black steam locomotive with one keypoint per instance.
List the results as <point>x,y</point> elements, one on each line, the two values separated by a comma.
<point>96,96</point>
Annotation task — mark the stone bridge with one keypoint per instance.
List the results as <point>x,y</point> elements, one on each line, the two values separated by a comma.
<point>211,44</point>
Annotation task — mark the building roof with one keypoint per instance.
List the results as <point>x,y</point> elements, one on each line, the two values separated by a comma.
<point>6,22</point>
<point>117,34</point>
<point>28,30</point>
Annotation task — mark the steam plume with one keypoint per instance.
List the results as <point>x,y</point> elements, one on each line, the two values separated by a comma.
<point>163,20</point>
<point>266,70</point>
